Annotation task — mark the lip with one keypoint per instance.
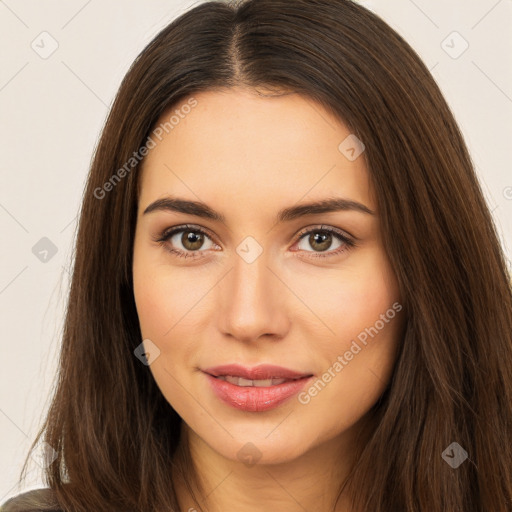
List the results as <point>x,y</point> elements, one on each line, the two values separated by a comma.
<point>254,398</point>
<point>262,371</point>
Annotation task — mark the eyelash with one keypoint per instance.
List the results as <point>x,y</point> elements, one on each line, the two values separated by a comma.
<point>167,234</point>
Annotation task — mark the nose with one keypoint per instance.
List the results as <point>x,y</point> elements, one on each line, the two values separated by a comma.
<point>253,301</point>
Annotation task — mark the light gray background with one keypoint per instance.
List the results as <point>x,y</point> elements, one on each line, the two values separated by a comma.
<point>52,110</point>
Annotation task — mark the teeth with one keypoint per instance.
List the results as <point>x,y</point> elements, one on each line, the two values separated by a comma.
<point>240,381</point>
<point>244,382</point>
<point>262,383</point>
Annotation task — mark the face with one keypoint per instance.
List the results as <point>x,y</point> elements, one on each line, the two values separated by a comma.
<point>253,279</point>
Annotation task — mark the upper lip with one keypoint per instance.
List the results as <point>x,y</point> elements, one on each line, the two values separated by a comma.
<point>260,372</point>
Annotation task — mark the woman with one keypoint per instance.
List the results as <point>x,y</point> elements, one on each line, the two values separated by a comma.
<point>288,291</point>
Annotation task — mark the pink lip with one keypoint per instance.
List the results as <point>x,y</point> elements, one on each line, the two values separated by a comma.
<point>260,372</point>
<point>252,398</point>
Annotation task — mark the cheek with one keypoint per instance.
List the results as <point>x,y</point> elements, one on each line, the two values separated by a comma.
<point>354,299</point>
<point>171,310</point>
<point>165,312</point>
<point>358,359</point>
<point>166,297</point>
<point>151,302</point>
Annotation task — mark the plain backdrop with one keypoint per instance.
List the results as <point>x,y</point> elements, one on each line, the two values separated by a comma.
<point>60,66</point>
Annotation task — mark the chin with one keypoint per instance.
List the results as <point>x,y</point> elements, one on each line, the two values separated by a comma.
<point>259,448</point>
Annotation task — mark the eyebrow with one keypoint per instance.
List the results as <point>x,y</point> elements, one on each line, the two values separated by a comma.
<point>199,209</point>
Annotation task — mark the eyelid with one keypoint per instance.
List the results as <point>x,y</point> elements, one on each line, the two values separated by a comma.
<point>199,228</point>
<point>326,227</point>
<point>166,233</point>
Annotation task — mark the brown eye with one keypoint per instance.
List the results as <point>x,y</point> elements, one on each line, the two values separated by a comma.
<point>186,241</point>
<point>322,239</point>
<point>192,240</point>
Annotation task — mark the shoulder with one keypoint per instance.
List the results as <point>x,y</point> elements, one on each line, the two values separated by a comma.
<point>32,501</point>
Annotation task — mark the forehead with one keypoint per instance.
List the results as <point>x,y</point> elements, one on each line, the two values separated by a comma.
<point>252,150</point>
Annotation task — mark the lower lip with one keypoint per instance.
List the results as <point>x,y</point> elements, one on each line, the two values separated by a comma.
<point>255,399</point>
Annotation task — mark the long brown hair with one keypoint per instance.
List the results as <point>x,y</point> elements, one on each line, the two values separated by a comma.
<point>114,433</point>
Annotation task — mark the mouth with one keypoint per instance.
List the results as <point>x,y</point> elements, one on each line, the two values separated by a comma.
<point>255,389</point>
<point>258,383</point>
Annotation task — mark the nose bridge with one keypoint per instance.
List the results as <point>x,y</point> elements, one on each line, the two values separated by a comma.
<point>251,305</point>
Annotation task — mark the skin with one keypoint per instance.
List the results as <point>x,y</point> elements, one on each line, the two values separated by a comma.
<point>248,156</point>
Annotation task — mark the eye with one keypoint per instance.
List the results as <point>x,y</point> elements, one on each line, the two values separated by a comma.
<point>190,238</point>
<point>321,239</point>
